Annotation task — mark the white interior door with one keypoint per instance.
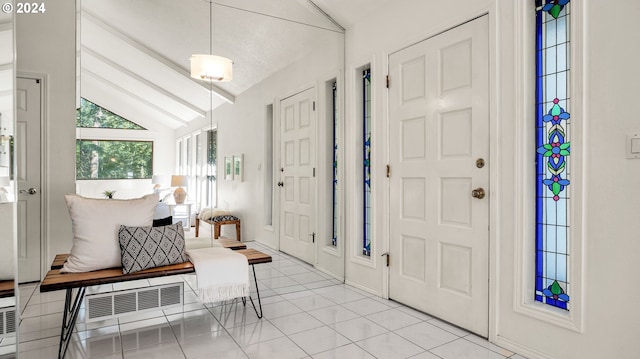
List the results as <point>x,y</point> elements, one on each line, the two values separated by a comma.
<point>297,177</point>
<point>28,103</point>
<point>439,113</point>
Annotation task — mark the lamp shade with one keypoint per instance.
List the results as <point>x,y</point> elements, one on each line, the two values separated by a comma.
<point>4,181</point>
<point>211,68</point>
<point>158,179</point>
<point>179,181</point>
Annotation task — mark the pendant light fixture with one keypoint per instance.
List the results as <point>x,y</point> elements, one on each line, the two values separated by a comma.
<point>209,67</point>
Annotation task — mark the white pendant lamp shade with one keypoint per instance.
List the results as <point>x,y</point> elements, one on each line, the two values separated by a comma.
<point>211,68</point>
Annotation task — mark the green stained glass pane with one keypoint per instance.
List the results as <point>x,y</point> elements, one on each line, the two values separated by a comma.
<point>555,11</point>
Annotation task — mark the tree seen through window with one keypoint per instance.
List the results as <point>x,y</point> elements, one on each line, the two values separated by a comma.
<point>98,158</point>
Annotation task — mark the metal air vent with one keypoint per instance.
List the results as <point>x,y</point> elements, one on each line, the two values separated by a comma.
<point>102,306</point>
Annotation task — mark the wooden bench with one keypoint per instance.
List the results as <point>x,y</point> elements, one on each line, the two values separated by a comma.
<point>216,227</point>
<point>7,288</point>
<point>54,280</point>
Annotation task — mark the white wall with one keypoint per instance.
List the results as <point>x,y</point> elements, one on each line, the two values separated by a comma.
<point>163,160</point>
<point>369,42</point>
<point>45,44</point>
<point>604,321</point>
<point>606,225</point>
<point>7,240</point>
<point>609,320</point>
<point>241,131</point>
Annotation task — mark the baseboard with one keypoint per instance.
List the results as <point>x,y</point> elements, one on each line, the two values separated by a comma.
<point>520,349</point>
<point>363,288</point>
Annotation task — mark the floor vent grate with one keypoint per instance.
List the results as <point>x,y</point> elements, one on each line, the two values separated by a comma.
<point>102,306</point>
<point>7,320</point>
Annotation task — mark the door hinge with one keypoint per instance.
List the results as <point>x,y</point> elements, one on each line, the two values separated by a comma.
<point>314,172</point>
<point>314,105</point>
<point>388,171</point>
<point>313,237</point>
<point>387,255</point>
<point>388,81</point>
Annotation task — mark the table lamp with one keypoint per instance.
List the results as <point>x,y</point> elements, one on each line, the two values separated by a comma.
<point>179,181</point>
<point>158,181</point>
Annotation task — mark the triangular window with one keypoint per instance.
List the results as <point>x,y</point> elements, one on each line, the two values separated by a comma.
<point>91,115</point>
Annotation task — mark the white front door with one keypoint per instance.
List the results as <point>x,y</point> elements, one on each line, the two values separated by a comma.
<point>439,134</point>
<point>297,175</point>
<point>28,103</point>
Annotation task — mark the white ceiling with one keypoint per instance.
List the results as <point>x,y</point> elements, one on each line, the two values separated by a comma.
<point>138,51</point>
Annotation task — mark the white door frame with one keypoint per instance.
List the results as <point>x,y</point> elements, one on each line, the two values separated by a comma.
<point>493,163</point>
<point>44,160</point>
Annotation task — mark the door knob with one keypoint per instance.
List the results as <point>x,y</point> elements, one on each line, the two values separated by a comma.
<point>280,184</point>
<point>29,191</point>
<point>478,193</point>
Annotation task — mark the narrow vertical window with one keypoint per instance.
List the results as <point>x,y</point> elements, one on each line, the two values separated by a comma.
<point>179,159</point>
<point>200,186</point>
<point>268,166</point>
<point>334,108</point>
<point>212,155</point>
<point>553,131</point>
<point>189,166</point>
<point>366,155</point>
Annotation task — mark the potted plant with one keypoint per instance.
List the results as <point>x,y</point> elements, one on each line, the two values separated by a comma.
<point>109,194</point>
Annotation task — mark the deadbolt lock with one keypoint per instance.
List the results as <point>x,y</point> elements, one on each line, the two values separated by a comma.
<point>480,162</point>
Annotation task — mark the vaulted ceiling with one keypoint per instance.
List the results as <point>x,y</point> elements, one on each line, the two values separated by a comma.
<point>135,54</point>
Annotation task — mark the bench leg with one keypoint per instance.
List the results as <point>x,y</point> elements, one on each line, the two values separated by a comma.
<point>69,319</point>
<point>244,300</point>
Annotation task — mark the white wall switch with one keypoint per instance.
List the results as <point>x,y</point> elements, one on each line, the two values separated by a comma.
<point>633,145</point>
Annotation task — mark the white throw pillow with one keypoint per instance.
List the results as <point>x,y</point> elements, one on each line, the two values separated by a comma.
<point>95,229</point>
<point>208,213</point>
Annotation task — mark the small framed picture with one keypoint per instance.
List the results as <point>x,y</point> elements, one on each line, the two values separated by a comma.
<point>228,168</point>
<point>237,167</point>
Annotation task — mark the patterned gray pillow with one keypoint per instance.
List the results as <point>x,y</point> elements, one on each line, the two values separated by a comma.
<point>148,247</point>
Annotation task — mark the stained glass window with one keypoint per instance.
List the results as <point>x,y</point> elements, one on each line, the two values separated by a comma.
<point>334,95</point>
<point>366,155</point>
<point>553,131</point>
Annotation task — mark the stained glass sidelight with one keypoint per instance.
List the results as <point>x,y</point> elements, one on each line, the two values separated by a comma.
<point>552,152</point>
<point>366,155</point>
<point>334,94</point>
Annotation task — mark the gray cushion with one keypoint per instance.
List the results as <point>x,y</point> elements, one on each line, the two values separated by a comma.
<point>148,247</point>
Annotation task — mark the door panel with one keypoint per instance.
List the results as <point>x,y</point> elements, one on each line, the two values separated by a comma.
<point>298,193</point>
<point>439,126</point>
<point>28,103</point>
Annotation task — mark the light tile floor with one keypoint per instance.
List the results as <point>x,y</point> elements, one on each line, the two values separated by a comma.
<point>307,314</point>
